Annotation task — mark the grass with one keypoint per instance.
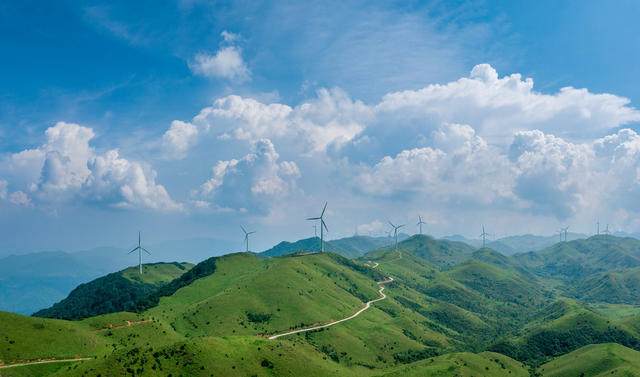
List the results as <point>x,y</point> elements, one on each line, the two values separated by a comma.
<point>609,359</point>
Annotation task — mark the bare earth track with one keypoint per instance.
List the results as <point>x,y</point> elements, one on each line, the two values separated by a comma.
<point>44,362</point>
<point>368,304</point>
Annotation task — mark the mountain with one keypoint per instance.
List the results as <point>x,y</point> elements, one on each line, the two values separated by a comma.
<point>582,258</point>
<point>597,360</point>
<point>349,247</point>
<point>615,287</point>
<point>30,282</point>
<point>443,253</point>
<point>432,307</point>
<point>115,292</point>
<point>511,245</point>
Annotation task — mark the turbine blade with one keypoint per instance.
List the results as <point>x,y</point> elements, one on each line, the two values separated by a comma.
<point>243,229</point>
<point>251,232</point>
<point>145,250</point>
<point>136,248</point>
<point>325,226</point>
<point>324,209</point>
<point>391,224</point>
<point>313,218</point>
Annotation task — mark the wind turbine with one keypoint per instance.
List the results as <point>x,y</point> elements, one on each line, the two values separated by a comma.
<point>598,231</point>
<point>565,232</point>
<point>323,226</point>
<point>246,237</point>
<point>395,232</point>
<point>140,250</point>
<point>606,230</point>
<point>315,230</point>
<point>484,237</point>
<point>420,222</point>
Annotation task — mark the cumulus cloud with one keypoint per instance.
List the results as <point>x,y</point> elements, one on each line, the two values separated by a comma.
<point>122,183</point>
<point>251,181</point>
<point>330,120</point>
<point>66,166</point>
<point>551,173</point>
<point>497,106</point>
<point>460,168</point>
<point>178,138</point>
<point>226,63</point>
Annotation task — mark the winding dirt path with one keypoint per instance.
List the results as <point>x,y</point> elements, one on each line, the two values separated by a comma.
<point>44,362</point>
<point>129,323</point>
<point>367,306</point>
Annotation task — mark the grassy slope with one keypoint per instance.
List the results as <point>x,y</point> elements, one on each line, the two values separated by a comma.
<point>463,364</point>
<point>609,359</point>
<point>614,287</point>
<point>114,292</point>
<point>290,291</point>
<point>584,257</point>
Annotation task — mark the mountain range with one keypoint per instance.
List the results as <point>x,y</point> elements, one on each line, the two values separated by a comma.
<point>434,307</point>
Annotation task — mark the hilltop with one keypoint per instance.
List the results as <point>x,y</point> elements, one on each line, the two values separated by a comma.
<point>350,247</point>
<point>116,292</point>
<point>450,308</point>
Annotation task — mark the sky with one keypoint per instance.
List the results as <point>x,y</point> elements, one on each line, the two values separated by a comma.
<point>186,119</point>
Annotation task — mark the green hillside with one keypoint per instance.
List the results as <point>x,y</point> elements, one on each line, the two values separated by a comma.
<point>119,291</point>
<point>350,247</point>
<point>615,287</point>
<point>596,360</point>
<point>449,310</point>
<point>584,257</point>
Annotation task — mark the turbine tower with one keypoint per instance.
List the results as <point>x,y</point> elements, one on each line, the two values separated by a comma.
<point>598,229</point>
<point>420,222</point>
<point>484,237</point>
<point>565,229</point>
<point>140,250</point>
<point>246,237</point>
<point>323,226</point>
<point>395,232</point>
<point>606,230</point>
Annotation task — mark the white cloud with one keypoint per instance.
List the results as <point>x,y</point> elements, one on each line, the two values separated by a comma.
<point>551,173</point>
<point>19,198</point>
<point>370,228</point>
<point>226,63</point>
<point>229,37</point>
<point>252,181</point>
<point>459,169</point>
<point>330,120</point>
<point>178,138</point>
<point>121,183</point>
<point>496,107</point>
<point>4,189</point>
<point>66,166</point>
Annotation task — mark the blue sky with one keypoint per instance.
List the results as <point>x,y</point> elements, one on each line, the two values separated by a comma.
<point>188,118</point>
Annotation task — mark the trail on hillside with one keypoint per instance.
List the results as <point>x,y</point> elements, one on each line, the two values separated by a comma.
<point>129,323</point>
<point>368,304</point>
<point>44,362</point>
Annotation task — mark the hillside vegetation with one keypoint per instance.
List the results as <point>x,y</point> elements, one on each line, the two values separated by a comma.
<point>116,292</point>
<point>450,310</point>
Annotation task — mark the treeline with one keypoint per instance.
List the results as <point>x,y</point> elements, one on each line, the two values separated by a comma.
<point>200,270</point>
<point>539,347</point>
<point>108,294</point>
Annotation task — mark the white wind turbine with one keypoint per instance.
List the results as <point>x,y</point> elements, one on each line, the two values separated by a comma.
<point>395,232</point>
<point>323,226</point>
<point>246,237</point>
<point>484,237</point>
<point>420,222</point>
<point>140,249</point>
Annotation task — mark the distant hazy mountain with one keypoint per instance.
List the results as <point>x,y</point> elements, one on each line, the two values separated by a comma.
<point>30,282</point>
<point>517,244</point>
<point>349,247</point>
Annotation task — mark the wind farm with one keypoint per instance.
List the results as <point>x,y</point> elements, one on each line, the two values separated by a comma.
<point>222,129</point>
